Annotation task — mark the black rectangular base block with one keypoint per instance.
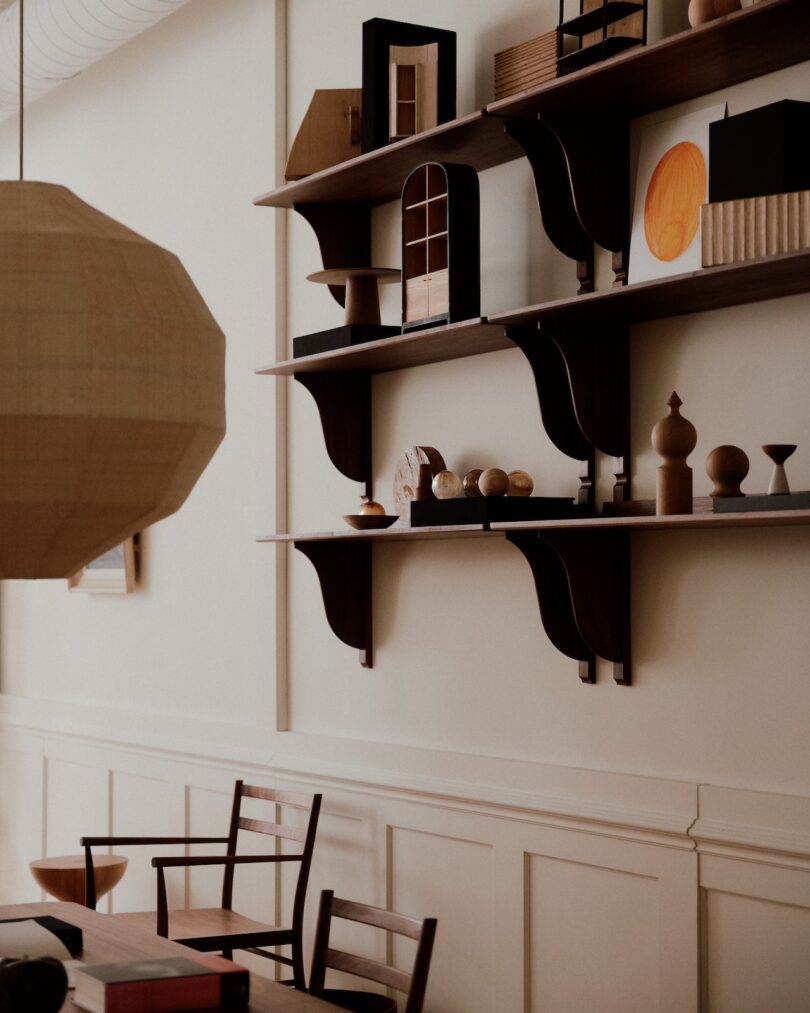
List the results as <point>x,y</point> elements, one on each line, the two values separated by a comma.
<point>761,503</point>
<point>340,337</point>
<point>491,509</point>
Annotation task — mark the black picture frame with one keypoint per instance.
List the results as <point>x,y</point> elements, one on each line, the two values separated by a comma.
<point>378,35</point>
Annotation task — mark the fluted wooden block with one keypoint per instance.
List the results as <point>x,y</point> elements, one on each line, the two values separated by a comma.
<point>112,392</point>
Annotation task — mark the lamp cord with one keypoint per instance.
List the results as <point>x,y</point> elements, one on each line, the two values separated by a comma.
<point>22,6</point>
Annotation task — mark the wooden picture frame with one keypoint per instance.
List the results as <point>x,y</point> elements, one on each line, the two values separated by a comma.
<point>114,572</point>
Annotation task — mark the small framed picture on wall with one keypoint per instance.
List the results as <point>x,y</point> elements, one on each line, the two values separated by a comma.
<point>115,572</point>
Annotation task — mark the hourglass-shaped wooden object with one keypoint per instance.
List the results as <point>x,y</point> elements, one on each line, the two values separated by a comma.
<point>779,453</point>
<point>674,439</point>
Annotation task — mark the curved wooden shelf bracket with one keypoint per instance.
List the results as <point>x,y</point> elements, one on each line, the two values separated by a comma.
<point>557,406</point>
<point>596,149</point>
<point>344,404</point>
<point>344,236</point>
<point>583,588</point>
<point>344,573</point>
<point>554,194</point>
<point>597,364</point>
<point>555,601</point>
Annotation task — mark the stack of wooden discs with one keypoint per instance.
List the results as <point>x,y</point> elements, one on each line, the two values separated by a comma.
<point>526,66</point>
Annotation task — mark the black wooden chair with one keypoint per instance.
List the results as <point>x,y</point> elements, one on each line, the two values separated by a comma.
<point>223,929</point>
<point>413,985</point>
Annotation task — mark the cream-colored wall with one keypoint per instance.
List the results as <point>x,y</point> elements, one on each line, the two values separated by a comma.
<point>567,836</point>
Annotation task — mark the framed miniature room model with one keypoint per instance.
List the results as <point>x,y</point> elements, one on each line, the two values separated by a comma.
<point>594,30</point>
<point>440,245</point>
<point>409,80</point>
<point>114,572</point>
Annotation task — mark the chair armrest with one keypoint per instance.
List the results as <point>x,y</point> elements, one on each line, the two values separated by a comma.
<point>164,863</point>
<point>186,860</point>
<point>91,842</point>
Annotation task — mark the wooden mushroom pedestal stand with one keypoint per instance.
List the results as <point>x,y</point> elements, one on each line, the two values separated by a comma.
<point>362,321</point>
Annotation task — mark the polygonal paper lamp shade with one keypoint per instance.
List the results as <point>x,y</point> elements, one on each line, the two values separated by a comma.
<point>112,391</point>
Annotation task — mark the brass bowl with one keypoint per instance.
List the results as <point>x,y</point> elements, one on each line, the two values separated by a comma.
<point>370,522</point>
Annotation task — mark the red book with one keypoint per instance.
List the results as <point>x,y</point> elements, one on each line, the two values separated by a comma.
<point>163,985</point>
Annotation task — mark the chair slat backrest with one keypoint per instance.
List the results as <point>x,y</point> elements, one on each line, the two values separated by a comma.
<point>413,985</point>
<point>303,835</point>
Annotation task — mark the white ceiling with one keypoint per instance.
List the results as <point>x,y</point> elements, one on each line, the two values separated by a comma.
<point>62,37</point>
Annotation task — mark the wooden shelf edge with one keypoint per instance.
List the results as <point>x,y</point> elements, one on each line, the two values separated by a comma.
<point>377,176</point>
<point>773,277</point>
<point>770,518</point>
<point>775,32</point>
<point>416,348</point>
<point>395,534</point>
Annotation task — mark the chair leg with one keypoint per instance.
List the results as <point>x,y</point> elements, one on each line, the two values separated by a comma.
<point>299,980</point>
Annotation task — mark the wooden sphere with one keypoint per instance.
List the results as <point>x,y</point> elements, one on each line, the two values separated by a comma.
<point>470,483</point>
<point>112,392</point>
<point>493,482</point>
<point>701,11</point>
<point>521,483</point>
<point>675,195</point>
<point>727,466</point>
<point>370,508</point>
<point>447,485</point>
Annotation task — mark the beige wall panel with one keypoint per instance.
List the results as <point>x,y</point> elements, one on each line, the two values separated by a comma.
<point>208,814</point>
<point>77,800</point>
<point>145,807</point>
<point>756,937</point>
<point>21,838</point>
<point>453,880</point>
<point>592,938</point>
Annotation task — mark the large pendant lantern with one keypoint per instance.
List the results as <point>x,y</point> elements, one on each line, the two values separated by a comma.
<point>111,382</point>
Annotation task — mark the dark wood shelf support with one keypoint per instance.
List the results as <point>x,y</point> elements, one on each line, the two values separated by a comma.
<point>344,573</point>
<point>595,145</point>
<point>583,590</point>
<point>344,404</point>
<point>554,195</point>
<point>597,361</point>
<point>344,236</point>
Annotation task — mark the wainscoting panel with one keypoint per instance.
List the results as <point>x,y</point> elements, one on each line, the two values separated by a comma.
<point>610,925</point>
<point>21,821</point>
<point>756,937</point>
<point>144,807</point>
<point>554,907</point>
<point>76,804</point>
<point>453,879</point>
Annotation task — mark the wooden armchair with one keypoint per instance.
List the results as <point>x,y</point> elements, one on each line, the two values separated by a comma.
<point>413,985</point>
<point>223,929</point>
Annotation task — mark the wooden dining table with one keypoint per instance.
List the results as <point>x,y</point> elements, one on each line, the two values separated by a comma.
<point>106,942</point>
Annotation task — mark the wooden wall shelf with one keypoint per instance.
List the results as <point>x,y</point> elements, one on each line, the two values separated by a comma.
<point>581,571</point>
<point>377,176</point>
<point>738,47</point>
<point>577,348</point>
<point>435,344</point>
<point>710,288</point>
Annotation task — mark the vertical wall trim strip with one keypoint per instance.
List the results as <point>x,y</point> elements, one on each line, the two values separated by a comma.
<point>282,413</point>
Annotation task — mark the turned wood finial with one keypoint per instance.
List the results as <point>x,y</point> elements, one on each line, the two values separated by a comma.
<point>674,438</point>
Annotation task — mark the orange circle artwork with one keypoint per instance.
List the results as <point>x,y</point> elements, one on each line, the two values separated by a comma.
<point>674,197</point>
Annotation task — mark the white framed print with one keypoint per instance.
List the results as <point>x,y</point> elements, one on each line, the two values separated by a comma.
<point>672,185</point>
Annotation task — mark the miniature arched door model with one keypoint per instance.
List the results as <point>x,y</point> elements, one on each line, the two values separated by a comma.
<point>441,260</point>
